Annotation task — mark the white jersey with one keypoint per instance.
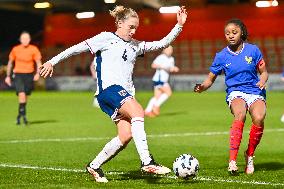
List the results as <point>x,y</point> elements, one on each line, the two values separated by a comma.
<point>115,57</point>
<point>132,91</point>
<point>166,63</point>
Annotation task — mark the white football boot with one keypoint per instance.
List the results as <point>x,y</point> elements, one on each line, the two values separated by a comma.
<point>233,168</point>
<point>249,164</point>
<point>155,168</point>
<point>97,174</point>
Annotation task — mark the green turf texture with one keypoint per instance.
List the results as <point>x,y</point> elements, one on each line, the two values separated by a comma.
<point>69,115</point>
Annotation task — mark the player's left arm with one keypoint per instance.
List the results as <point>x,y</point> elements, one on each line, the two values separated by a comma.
<point>174,69</point>
<point>37,58</point>
<point>263,74</point>
<point>166,41</point>
<point>38,65</point>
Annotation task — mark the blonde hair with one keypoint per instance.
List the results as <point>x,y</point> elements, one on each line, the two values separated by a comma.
<point>120,13</point>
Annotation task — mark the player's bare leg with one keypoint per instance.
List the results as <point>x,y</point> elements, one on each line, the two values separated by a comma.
<point>157,94</point>
<point>166,92</point>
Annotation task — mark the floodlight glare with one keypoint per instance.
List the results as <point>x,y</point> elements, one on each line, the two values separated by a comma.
<point>42,5</point>
<point>172,9</point>
<point>82,15</point>
<point>110,1</point>
<point>273,3</point>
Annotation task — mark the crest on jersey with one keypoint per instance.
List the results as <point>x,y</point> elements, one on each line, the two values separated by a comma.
<point>122,93</point>
<point>248,59</point>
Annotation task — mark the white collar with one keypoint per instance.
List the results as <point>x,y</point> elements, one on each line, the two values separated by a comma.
<point>236,53</point>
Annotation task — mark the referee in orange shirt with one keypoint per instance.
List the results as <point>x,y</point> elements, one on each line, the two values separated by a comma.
<point>23,56</point>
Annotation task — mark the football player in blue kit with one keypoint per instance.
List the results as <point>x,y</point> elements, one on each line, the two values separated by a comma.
<point>241,62</point>
<point>116,53</point>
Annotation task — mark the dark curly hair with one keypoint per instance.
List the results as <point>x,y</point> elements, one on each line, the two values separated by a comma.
<point>243,27</point>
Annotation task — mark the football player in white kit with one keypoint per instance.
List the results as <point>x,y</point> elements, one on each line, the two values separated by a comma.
<point>93,66</point>
<point>164,65</point>
<point>116,53</point>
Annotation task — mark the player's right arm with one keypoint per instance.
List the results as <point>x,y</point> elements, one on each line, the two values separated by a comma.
<point>9,73</point>
<point>47,68</point>
<point>156,66</point>
<point>93,45</point>
<point>215,70</point>
<point>207,83</point>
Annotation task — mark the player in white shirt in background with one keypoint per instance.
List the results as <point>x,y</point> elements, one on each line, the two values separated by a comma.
<point>116,53</point>
<point>164,65</point>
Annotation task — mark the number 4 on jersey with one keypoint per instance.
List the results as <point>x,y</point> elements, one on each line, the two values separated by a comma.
<point>124,56</point>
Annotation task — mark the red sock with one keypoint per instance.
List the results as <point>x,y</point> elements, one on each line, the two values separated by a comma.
<point>254,138</point>
<point>236,133</point>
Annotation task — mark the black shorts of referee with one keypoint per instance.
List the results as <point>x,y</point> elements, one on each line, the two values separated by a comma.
<point>24,82</point>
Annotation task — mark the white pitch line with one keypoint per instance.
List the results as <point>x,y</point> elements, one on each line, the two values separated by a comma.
<point>54,140</point>
<point>210,179</point>
<point>107,138</point>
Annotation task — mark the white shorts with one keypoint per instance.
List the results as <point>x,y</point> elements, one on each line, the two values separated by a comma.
<point>248,98</point>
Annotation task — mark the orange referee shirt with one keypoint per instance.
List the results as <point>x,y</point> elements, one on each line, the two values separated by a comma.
<point>24,58</point>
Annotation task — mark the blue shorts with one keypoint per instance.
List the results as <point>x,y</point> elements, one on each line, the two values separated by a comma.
<point>158,83</point>
<point>111,99</point>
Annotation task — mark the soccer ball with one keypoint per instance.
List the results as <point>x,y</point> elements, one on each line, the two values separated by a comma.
<point>186,166</point>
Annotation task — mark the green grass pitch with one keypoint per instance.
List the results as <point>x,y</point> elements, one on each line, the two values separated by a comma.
<point>66,132</point>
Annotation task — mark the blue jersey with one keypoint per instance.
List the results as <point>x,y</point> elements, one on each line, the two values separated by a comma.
<point>240,69</point>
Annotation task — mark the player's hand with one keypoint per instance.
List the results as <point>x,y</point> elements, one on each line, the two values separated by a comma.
<point>36,77</point>
<point>46,70</point>
<point>198,88</point>
<point>8,81</point>
<point>181,15</point>
<point>174,69</point>
<point>261,85</point>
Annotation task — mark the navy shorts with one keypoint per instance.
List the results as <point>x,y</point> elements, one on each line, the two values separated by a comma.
<point>111,99</point>
<point>158,84</point>
<point>24,82</point>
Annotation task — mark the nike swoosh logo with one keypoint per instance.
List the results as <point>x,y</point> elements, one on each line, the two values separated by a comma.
<point>228,64</point>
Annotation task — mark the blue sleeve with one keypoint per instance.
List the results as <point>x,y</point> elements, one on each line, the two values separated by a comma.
<point>257,55</point>
<point>216,67</point>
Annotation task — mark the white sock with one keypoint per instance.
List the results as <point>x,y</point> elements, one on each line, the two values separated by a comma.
<point>282,118</point>
<point>150,105</point>
<point>108,151</point>
<point>96,103</point>
<point>161,100</point>
<point>140,140</point>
